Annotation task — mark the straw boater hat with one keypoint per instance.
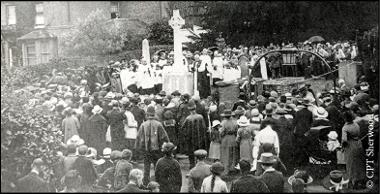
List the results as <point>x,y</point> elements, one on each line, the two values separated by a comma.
<point>320,112</point>
<point>215,123</point>
<point>267,158</point>
<point>200,153</point>
<point>336,181</point>
<point>76,140</point>
<point>281,111</point>
<point>243,121</point>
<point>304,175</point>
<point>306,101</point>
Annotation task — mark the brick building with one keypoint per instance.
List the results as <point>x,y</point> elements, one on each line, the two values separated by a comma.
<point>50,20</point>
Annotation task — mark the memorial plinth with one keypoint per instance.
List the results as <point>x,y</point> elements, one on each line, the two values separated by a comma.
<point>181,81</point>
<point>177,77</point>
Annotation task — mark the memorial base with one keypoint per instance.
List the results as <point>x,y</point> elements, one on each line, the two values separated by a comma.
<point>181,81</point>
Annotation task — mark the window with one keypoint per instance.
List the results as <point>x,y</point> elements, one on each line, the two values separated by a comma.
<point>40,20</point>
<point>31,54</point>
<point>115,10</point>
<point>45,51</point>
<point>11,14</point>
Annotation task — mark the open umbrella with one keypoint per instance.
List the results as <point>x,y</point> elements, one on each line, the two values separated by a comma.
<point>316,39</point>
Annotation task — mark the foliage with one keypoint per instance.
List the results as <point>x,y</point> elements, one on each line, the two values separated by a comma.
<point>205,41</point>
<point>160,32</point>
<point>281,21</point>
<point>26,75</point>
<point>98,36</point>
<point>27,131</point>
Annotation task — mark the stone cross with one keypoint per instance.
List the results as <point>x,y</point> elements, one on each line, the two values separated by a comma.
<point>176,22</point>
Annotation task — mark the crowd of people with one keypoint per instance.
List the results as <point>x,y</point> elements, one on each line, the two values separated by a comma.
<point>225,63</point>
<point>115,118</point>
<point>107,133</point>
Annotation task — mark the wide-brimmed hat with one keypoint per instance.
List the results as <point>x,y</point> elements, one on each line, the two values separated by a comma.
<point>281,111</point>
<point>303,174</point>
<point>243,121</point>
<point>107,152</point>
<point>168,147</point>
<point>335,181</point>
<point>239,110</point>
<point>252,103</point>
<point>260,98</point>
<point>226,113</point>
<point>306,101</point>
<point>320,112</point>
<point>215,123</point>
<point>162,93</point>
<point>255,112</point>
<point>76,140</point>
<point>268,110</point>
<point>97,109</point>
<point>274,94</point>
<point>116,154</point>
<point>217,168</point>
<point>113,103</point>
<point>290,107</point>
<point>267,158</point>
<point>176,93</point>
<point>200,152</point>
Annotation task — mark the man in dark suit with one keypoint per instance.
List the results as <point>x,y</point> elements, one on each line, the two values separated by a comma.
<point>86,169</point>
<point>303,119</point>
<point>248,183</point>
<point>32,182</point>
<point>135,182</point>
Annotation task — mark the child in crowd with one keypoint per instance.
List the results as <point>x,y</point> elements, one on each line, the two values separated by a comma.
<point>214,151</point>
<point>153,187</point>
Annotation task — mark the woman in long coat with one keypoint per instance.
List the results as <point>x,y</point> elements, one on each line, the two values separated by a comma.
<point>115,119</point>
<point>85,130</point>
<point>353,150</point>
<point>244,138</point>
<point>98,125</point>
<point>168,171</point>
<point>228,147</point>
<point>70,124</point>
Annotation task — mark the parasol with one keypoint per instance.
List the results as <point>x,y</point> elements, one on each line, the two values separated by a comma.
<point>316,39</point>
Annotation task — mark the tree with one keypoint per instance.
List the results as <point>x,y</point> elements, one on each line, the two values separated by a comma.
<point>264,22</point>
<point>160,33</point>
<point>99,36</point>
<point>28,131</point>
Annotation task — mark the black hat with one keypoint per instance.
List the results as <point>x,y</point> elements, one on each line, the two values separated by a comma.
<point>168,147</point>
<point>244,165</point>
<point>191,105</point>
<point>176,93</point>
